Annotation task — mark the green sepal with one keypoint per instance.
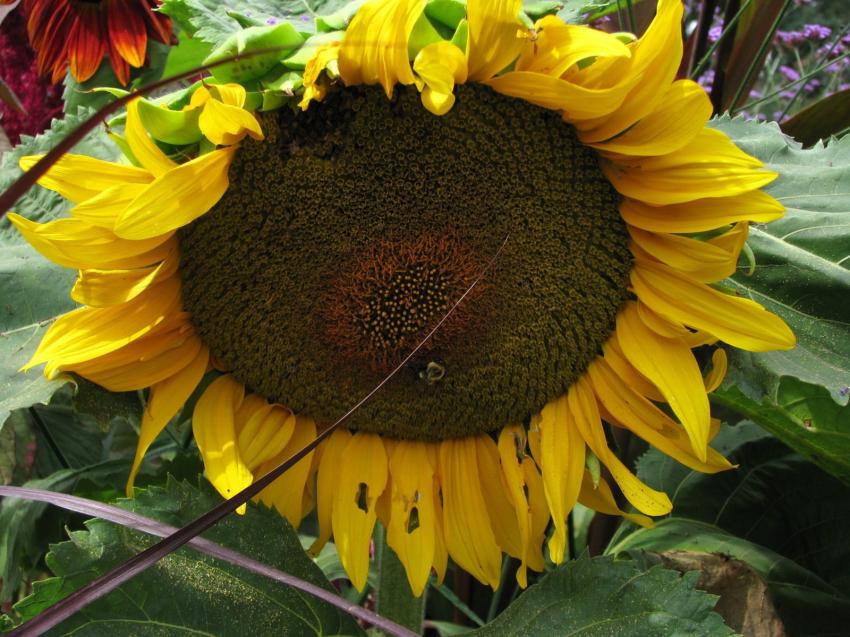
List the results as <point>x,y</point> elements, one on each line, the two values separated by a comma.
<point>537,10</point>
<point>245,21</point>
<point>285,83</point>
<point>449,13</point>
<point>339,19</point>
<point>282,36</point>
<point>273,100</point>
<point>591,463</point>
<point>253,100</point>
<point>299,59</point>
<point>172,127</point>
<point>111,90</point>
<point>422,35</point>
<point>461,35</point>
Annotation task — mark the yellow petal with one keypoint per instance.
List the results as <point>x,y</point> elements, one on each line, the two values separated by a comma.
<point>313,89</point>
<point>703,214</point>
<point>229,94</point>
<point>582,406</point>
<point>374,48</point>
<point>639,415</point>
<point>562,455</point>
<point>224,124</point>
<point>87,333</point>
<point>705,261</point>
<point>440,66</point>
<point>363,474</point>
<point>143,147</point>
<point>166,398</point>
<point>511,455</point>
<point>286,494</point>
<point>103,209</point>
<point>495,491</point>
<point>326,485</point>
<point>102,288</point>
<point>264,434</point>
<point>671,367</point>
<point>719,365</point>
<point>684,110</point>
<point>625,370</point>
<point>647,74</point>
<point>75,244</point>
<point>600,498</point>
<point>178,197</point>
<point>709,166</point>
<point>468,530</point>
<point>576,102</point>
<point>79,177</point>
<point>215,433</point>
<point>559,46</point>
<point>147,367</point>
<point>737,321</point>
<point>493,41</point>
<point>412,528</point>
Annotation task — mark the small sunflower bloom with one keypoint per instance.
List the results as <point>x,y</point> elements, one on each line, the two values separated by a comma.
<point>621,208</point>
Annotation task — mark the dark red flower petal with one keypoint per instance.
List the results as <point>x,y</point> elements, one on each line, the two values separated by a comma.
<point>128,35</point>
<point>86,44</point>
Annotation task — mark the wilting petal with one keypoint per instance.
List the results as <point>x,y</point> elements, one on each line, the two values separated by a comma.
<point>582,405</point>
<point>362,479</point>
<point>145,150</point>
<point>166,398</point>
<point>494,41</point>
<point>102,288</point>
<point>263,433</point>
<point>719,365</point>
<point>374,48</point>
<point>326,485</point>
<point>215,433</point>
<point>600,498</point>
<point>561,460</point>
<point>670,365</point>
<point>440,66</point>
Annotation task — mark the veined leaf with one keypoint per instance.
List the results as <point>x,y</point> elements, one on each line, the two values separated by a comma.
<point>189,593</point>
<point>602,597</point>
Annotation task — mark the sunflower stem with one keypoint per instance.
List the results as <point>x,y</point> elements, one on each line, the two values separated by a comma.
<point>395,599</point>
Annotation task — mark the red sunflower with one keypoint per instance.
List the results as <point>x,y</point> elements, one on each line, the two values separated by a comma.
<point>78,33</point>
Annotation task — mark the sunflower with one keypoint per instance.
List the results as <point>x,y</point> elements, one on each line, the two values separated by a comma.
<point>310,249</point>
<point>78,33</point>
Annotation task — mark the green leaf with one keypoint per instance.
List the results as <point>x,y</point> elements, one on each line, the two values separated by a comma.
<point>802,262</point>
<point>189,593</point>
<point>826,117</point>
<point>603,597</point>
<point>806,604</point>
<point>776,511</point>
<point>804,417</point>
<point>188,54</point>
<point>209,20</point>
<point>17,450</point>
<point>23,533</point>
<point>34,292</point>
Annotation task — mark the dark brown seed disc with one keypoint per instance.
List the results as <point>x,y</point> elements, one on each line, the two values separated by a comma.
<point>353,228</point>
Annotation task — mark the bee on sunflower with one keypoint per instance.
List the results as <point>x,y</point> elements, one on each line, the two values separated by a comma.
<point>301,246</point>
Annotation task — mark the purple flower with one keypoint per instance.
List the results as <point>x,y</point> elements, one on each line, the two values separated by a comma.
<point>756,95</point>
<point>271,21</point>
<point>816,32</point>
<point>706,80</point>
<point>777,115</point>
<point>812,85</point>
<point>789,38</point>
<point>789,74</point>
<point>787,95</point>
<point>714,33</point>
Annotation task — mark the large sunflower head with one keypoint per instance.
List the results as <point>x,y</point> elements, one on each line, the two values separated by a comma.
<point>303,251</point>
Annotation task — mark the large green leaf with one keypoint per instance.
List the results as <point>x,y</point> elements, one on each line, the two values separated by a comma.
<point>776,511</point>
<point>807,605</point>
<point>34,292</point>
<point>602,597</point>
<point>187,592</point>
<point>212,21</point>
<point>802,261</point>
